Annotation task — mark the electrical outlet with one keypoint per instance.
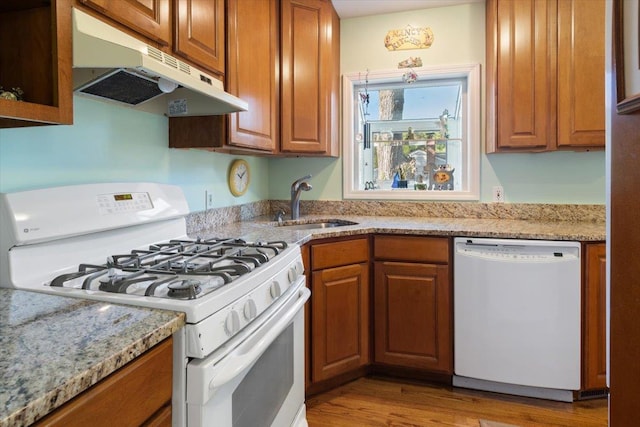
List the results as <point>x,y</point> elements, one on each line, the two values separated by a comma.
<point>498,194</point>
<point>208,199</point>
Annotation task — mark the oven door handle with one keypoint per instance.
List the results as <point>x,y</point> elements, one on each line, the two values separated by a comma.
<point>249,351</point>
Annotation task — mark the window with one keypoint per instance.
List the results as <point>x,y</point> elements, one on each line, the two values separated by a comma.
<point>412,141</point>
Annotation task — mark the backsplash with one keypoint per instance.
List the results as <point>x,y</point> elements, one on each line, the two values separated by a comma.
<point>210,218</point>
<point>522,211</point>
<point>518,211</point>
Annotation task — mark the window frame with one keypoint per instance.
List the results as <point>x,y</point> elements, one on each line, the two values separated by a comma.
<point>471,128</point>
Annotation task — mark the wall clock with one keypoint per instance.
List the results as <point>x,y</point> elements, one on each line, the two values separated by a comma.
<point>239,176</point>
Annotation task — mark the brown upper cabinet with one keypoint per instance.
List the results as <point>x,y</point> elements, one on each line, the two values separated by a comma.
<point>37,59</point>
<point>199,32</point>
<point>195,34</point>
<point>545,75</point>
<point>292,88</point>
<point>310,68</point>
<point>249,51</point>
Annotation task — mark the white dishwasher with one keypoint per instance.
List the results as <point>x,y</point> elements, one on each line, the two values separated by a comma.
<point>517,316</point>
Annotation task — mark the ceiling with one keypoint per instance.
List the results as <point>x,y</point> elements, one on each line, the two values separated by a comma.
<point>356,8</point>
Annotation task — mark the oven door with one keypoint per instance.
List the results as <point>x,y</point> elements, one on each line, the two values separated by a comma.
<point>257,379</point>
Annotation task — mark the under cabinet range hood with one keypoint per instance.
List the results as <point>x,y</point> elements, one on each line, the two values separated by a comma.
<point>113,66</point>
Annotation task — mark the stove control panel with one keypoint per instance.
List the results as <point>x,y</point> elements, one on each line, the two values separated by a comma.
<point>123,202</point>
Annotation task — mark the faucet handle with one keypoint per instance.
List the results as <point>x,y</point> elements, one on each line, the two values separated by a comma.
<point>279,215</point>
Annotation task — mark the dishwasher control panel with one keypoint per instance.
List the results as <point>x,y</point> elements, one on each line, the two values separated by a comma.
<point>518,250</point>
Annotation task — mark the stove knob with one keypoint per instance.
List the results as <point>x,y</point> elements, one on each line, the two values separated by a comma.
<point>232,323</point>
<point>293,274</point>
<point>275,290</point>
<point>250,310</point>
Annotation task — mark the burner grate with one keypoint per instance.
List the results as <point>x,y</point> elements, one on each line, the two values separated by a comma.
<point>178,269</point>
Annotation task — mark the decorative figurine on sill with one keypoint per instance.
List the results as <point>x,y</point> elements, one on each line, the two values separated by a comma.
<point>399,180</point>
<point>15,94</point>
<point>410,134</point>
<point>442,178</point>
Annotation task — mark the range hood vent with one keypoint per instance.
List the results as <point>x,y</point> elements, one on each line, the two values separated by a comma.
<point>111,65</point>
<point>123,86</point>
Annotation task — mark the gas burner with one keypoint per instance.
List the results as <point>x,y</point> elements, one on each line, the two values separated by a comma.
<point>119,283</point>
<point>184,289</point>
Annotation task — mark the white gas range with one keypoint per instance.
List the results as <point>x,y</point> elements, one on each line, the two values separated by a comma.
<point>127,243</point>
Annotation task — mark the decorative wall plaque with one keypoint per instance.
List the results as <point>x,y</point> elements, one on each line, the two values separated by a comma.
<point>409,38</point>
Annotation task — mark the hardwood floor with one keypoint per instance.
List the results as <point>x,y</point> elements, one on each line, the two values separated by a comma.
<point>374,401</point>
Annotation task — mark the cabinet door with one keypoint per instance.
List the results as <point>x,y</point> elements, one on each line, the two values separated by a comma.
<point>38,61</point>
<point>581,73</point>
<point>150,18</point>
<point>253,44</point>
<point>521,75</point>
<point>199,32</point>
<point>340,320</point>
<point>413,319</point>
<point>594,365</point>
<point>308,76</point>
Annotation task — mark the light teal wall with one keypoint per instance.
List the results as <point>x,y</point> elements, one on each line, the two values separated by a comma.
<point>459,37</point>
<point>108,143</point>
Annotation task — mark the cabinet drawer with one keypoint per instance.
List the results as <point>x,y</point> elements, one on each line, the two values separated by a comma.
<point>335,254</point>
<point>130,396</point>
<point>404,248</point>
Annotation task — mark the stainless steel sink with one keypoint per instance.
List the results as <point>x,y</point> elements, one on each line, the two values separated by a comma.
<point>329,223</point>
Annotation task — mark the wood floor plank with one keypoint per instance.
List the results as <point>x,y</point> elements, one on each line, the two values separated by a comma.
<point>383,402</point>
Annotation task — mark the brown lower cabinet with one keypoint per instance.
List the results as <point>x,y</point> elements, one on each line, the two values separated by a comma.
<point>402,322</point>
<point>413,315</point>
<point>339,307</point>
<point>413,303</point>
<point>594,309</point>
<point>138,394</point>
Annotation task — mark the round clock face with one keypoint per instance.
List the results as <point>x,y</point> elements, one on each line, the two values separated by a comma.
<point>239,177</point>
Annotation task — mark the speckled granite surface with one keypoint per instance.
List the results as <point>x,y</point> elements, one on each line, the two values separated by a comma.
<point>518,211</point>
<point>52,348</point>
<point>504,220</point>
<point>263,228</point>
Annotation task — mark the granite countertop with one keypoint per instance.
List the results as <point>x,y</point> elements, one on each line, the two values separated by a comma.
<point>264,228</point>
<point>53,348</point>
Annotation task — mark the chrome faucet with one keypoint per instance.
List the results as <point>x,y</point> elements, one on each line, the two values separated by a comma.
<point>298,186</point>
